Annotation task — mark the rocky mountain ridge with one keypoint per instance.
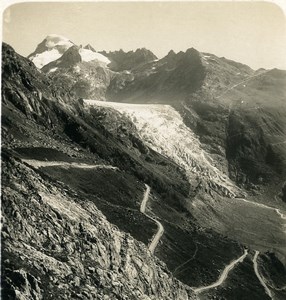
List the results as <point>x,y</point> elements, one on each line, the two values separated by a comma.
<point>126,61</point>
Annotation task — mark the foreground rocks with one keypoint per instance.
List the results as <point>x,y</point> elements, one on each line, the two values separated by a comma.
<point>58,247</point>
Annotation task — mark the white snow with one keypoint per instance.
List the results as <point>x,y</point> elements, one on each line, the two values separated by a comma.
<point>53,70</point>
<point>88,55</point>
<point>57,45</point>
<point>46,57</point>
<point>77,69</point>
<point>52,53</point>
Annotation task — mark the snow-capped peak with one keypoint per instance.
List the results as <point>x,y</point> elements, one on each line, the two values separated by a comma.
<point>50,49</point>
<point>53,40</point>
<point>54,46</point>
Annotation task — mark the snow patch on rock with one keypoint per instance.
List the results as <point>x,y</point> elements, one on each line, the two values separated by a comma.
<point>53,70</point>
<point>51,49</point>
<point>88,55</point>
<point>46,57</point>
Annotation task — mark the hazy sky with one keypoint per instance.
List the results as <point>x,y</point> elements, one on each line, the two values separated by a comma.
<point>252,33</point>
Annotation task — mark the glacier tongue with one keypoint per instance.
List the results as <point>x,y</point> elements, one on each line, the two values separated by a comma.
<point>162,129</point>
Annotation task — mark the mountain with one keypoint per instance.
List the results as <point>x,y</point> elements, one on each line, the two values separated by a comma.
<point>237,113</point>
<point>73,56</point>
<point>89,47</point>
<point>159,81</point>
<point>85,72</point>
<point>50,49</point>
<point>124,61</point>
<point>80,70</point>
<point>141,199</point>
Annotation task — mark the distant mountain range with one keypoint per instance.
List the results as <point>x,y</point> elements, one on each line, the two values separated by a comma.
<point>88,135</point>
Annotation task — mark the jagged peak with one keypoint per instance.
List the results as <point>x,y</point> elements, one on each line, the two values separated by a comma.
<point>143,49</point>
<point>50,49</point>
<point>181,54</point>
<point>171,53</point>
<point>89,47</point>
<point>53,41</point>
<point>73,50</point>
<point>192,51</point>
<point>68,59</point>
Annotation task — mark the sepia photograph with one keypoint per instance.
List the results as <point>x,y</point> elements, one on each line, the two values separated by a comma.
<point>143,150</point>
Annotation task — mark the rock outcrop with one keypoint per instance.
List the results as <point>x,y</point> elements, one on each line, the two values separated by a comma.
<point>55,246</point>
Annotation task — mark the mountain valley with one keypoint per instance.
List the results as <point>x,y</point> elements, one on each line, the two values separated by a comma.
<point>85,136</point>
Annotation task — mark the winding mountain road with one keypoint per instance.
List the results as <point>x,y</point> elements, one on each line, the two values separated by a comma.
<point>223,275</point>
<point>279,213</point>
<point>43,163</point>
<point>241,82</point>
<point>260,278</point>
<point>176,271</point>
<point>160,231</point>
<point>38,164</point>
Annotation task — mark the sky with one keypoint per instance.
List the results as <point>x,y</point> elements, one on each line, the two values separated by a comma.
<point>253,33</point>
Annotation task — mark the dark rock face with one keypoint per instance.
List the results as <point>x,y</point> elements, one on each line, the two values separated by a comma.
<point>83,80</point>
<point>241,141</point>
<point>129,60</point>
<point>89,47</point>
<point>70,58</point>
<point>28,85</point>
<point>165,81</point>
<point>284,193</point>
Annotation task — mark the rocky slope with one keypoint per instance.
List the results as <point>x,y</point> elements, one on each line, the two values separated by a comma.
<point>56,245</point>
<point>126,61</point>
